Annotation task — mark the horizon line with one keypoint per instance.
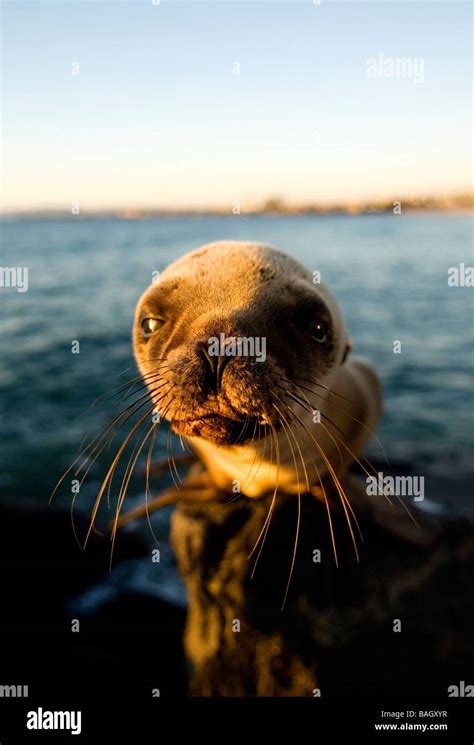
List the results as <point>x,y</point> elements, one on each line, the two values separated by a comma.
<point>460,200</point>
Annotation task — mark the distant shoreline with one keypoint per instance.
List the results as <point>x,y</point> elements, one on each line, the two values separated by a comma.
<point>457,204</point>
<point>103,216</point>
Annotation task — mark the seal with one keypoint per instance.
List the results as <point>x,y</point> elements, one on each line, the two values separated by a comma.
<point>248,359</point>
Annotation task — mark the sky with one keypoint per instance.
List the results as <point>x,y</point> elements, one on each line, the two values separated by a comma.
<point>195,104</point>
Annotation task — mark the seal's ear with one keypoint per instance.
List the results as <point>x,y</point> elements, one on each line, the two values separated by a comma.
<point>347,349</point>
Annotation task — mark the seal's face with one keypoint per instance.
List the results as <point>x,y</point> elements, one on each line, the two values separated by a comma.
<point>227,335</point>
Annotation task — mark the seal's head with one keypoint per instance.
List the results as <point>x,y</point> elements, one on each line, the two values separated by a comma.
<point>225,333</point>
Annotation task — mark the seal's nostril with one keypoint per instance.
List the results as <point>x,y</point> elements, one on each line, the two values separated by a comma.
<point>215,365</point>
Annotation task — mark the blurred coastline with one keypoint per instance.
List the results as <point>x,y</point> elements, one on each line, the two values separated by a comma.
<point>461,202</point>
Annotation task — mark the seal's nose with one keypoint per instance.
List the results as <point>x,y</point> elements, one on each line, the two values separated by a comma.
<point>214,366</point>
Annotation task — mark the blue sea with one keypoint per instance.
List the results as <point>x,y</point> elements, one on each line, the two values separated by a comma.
<point>85,276</point>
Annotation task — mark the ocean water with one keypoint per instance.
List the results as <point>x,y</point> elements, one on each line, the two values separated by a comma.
<point>85,276</point>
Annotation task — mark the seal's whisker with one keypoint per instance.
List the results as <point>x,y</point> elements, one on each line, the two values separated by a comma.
<point>130,384</point>
<point>346,413</point>
<point>82,454</point>
<point>309,408</point>
<point>152,392</point>
<point>155,377</point>
<point>245,446</point>
<point>112,470</point>
<point>298,521</point>
<point>182,447</point>
<point>271,448</point>
<point>125,386</point>
<point>244,429</point>
<point>331,529</point>
<point>354,456</point>
<point>171,462</point>
<point>299,401</point>
<point>333,439</point>
<point>131,408</point>
<point>263,532</point>
<point>358,461</point>
<point>313,491</point>
<point>315,381</point>
<point>295,439</point>
<point>162,464</point>
<point>345,496</point>
<point>248,481</point>
<point>73,503</point>
<point>105,443</point>
<point>342,495</point>
<point>124,487</point>
<point>110,475</point>
<point>147,481</point>
<point>369,475</point>
<point>93,460</point>
<point>146,387</point>
<point>128,470</point>
<point>349,450</point>
<point>152,359</point>
<point>344,501</point>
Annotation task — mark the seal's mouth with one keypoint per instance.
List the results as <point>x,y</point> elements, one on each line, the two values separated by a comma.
<point>220,429</point>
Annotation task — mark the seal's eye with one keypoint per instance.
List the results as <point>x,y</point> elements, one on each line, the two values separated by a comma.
<point>319,331</point>
<point>150,325</point>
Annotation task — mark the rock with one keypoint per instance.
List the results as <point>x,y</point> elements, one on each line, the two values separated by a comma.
<point>338,630</point>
